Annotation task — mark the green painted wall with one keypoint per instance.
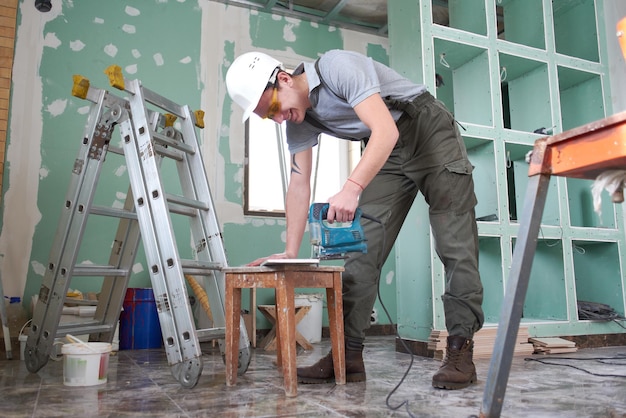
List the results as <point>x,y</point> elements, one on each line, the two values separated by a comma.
<point>180,49</point>
<point>85,39</point>
<point>511,67</point>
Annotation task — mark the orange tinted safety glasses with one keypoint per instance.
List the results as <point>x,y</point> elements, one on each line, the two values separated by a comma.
<point>274,107</point>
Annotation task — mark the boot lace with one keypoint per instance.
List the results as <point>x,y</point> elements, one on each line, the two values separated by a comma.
<point>453,357</point>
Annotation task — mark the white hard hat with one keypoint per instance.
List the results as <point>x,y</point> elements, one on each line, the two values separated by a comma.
<point>248,77</point>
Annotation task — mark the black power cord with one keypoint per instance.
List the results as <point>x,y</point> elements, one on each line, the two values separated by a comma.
<point>594,311</point>
<point>602,360</point>
<point>406,347</point>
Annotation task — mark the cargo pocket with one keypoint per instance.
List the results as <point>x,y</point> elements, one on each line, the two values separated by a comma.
<point>461,185</point>
<point>460,167</point>
<point>450,189</point>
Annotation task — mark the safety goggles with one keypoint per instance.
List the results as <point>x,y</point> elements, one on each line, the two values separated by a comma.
<point>274,107</point>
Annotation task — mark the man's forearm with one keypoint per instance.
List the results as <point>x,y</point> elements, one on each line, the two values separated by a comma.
<point>297,206</point>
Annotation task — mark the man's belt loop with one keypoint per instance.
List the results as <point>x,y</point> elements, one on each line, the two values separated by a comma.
<point>410,108</point>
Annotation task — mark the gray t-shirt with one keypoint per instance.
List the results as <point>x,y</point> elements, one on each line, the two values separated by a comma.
<point>349,78</point>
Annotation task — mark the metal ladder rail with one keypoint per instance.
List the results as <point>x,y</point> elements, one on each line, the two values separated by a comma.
<point>203,219</point>
<point>116,278</point>
<point>207,237</point>
<point>127,237</point>
<point>181,342</point>
<point>122,257</point>
<point>69,233</point>
<point>123,254</point>
<point>117,272</point>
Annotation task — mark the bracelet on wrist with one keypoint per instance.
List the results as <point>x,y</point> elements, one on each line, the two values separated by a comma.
<point>352,181</point>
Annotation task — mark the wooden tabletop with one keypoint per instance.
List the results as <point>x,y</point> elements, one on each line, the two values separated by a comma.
<point>283,267</point>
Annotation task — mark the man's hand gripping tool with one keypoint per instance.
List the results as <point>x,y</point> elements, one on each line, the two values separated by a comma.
<point>333,241</point>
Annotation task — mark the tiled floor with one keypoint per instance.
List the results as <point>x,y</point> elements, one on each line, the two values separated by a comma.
<point>140,383</point>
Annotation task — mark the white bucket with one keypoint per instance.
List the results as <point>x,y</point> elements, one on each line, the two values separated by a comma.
<point>311,324</point>
<point>23,337</point>
<point>85,364</point>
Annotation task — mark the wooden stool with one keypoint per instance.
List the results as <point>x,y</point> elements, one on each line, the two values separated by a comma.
<point>284,279</point>
<point>269,343</point>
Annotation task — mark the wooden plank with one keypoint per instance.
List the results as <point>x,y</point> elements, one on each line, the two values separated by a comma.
<point>7,22</point>
<point>7,10</point>
<point>7,32</point>
<point>7,42</point>
<point>484,341</point>
<point>6,52</point>
<point>6,62</point>
<point>557,350</point>
<point>552,342</point>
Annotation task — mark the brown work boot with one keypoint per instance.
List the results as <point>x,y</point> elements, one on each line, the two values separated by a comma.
<point>323,371</point>
<point>458,370</point>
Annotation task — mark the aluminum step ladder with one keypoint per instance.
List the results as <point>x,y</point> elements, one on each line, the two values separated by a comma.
<point>146,123</point>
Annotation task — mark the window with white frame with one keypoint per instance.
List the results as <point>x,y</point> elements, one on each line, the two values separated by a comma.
<point>268,167</point>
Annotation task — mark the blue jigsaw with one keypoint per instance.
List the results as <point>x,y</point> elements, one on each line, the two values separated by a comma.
<point>334,241</point>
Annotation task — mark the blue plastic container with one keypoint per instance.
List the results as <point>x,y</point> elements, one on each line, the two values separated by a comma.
<point>139,321</point>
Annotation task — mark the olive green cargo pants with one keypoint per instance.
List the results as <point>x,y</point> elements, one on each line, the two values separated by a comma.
<point>430,157</point>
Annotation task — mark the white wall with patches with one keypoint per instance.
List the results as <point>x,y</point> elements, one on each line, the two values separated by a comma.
<point>185,62</point>
<point>23,155</point>
<point>46,122</point>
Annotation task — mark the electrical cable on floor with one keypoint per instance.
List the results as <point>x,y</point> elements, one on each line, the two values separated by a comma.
<point>406,347</point>
<point>591,315</point>
<point>599,359</point>
<point>408,369</point>
<point>598,312</point>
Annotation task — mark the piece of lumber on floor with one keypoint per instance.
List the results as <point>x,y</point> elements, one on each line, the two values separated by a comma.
<point>484,341</point>
<point>552,345</point>
<point>557,350</point>
<point>551,342</point>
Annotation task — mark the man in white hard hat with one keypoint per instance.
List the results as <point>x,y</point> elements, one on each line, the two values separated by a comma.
<point>412,144</point>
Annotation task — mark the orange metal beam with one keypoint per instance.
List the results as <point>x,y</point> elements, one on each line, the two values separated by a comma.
<point>582,152</point>
<point>621,35</point>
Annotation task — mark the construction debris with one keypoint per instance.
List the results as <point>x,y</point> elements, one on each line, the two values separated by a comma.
<point>483,342</point>
<point>552,345</point>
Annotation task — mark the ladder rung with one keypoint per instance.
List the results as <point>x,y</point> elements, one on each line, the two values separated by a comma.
<point>159,148</point>
<point>80,302</point>
<point>162,139</point>
<point>148,137</point>
<point>83,328</point>
<point>100,271</point>
<point>113,212</point>
<point>115,150</point>
<point>111,100</point>
<point>163,103</point>
<point>168,152</point>
<point>209,334</point>
<point>190,203</point>
<point>181,210</point>
<point>121,213</point>
<point>199,267</point>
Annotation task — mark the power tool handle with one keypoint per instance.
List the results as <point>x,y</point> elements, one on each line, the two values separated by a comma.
<point>320,211</point>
